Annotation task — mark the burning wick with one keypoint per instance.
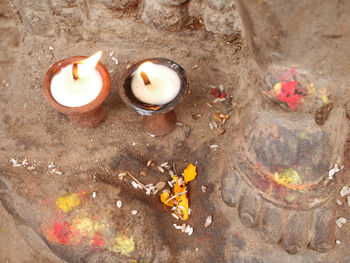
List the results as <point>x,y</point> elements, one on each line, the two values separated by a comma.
<point>75,71</point>
<point>145,78</point>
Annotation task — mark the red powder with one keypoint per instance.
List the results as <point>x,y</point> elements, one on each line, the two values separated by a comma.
<point>215,92</point>
<point>97,240</point>
<point>223,95</point>
<point>62,231</point>
<point>291,94</point>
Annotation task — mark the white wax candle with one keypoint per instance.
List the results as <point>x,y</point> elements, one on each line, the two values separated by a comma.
<point>75,93</point>
<point>71,92</point>
<point>164,84</point>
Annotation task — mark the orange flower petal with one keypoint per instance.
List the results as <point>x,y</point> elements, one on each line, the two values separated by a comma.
<point>190,173</point>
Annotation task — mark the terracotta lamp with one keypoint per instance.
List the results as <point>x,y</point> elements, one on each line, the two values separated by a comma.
<point>80,96</point>
<point>154,87</point>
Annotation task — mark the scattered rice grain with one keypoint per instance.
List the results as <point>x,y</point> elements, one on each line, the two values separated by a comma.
<point>164,164</point>
<point>134,184</point>
<point>160,169</point>
<point>134,212</point>
<point>190,232</point>
<point>340,221</point>
<point>208,221</point>
<point>345,191</point>
<point>175,216</point>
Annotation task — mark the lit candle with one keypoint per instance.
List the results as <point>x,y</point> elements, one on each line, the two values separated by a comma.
<point>155,84</point>
<point>77,84</point>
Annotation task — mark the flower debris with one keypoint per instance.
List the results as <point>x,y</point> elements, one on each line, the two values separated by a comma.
<point>177,199</point>
<point>218,92</point>
<point>220,117</point>
<point>218,123</point>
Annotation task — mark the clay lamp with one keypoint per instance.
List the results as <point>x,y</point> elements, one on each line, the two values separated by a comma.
<point>77,86</point>
<point>154,87</point>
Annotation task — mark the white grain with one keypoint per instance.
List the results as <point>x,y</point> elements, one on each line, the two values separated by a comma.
<point>160,169</point>
<point>164,164</point>
<point>208,221</point>
<point>175,216</point>
<point>345,191</point>
<point>340,221</point>
<point>134,184</point>
<point>134,212</point>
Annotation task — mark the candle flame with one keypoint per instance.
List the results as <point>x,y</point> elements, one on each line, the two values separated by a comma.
<point>146,72</point>
<point>145,78</point>
<point>87,65</point>
<point>148,68</point>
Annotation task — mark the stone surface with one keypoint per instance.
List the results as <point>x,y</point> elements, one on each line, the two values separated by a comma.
<point>230,186</point>
<point>221,4</point>
<point>164,17</point>
<point>30,129</point>
<point>227,23</point>
<point>172,2</point>
<point>119,4</point>
<point>102,18</point>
